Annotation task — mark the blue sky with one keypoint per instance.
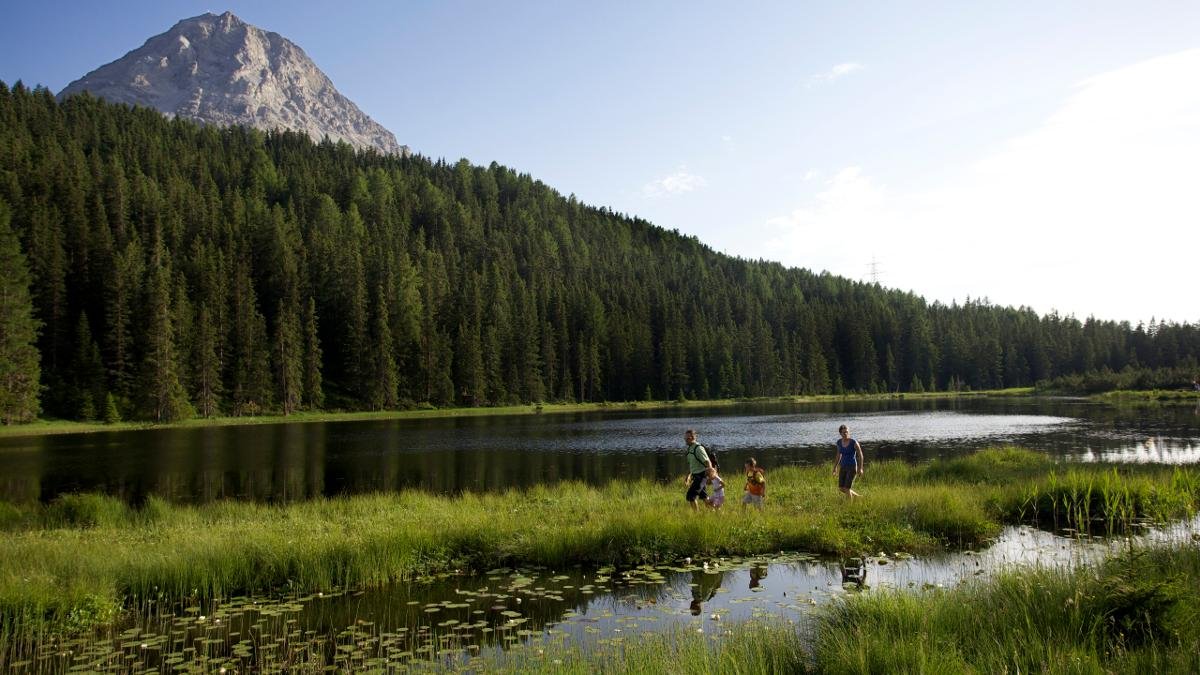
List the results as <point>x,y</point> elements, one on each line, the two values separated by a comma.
<point>1033,153</point>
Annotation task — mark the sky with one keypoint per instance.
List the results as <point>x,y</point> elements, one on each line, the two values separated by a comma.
<point>1037,154</point>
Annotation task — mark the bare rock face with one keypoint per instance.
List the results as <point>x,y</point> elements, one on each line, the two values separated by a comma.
<point>222,70</point>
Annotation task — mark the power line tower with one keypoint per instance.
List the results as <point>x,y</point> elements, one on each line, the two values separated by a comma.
<point>874,270</point>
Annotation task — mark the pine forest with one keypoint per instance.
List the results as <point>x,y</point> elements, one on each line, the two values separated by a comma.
<point>156,269</point>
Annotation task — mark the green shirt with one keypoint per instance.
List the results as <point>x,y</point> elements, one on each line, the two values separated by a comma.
<point>697,458</point>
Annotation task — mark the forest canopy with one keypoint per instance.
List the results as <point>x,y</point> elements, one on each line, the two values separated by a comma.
<point>178,270</point>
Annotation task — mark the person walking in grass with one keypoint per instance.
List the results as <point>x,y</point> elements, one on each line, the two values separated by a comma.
<point>848,463</point>
<point>715,487</point>
<point>756,485</point>
<point>698,466</point>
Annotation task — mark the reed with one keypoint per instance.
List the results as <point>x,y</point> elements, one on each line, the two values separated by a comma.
<point>1102,500</point>
<point>1135,613</point>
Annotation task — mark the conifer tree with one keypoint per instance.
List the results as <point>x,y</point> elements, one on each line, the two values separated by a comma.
<point>289,357</point>
<point>468,352</point>
<point>20,367</point>
<point>87,371</point>
<point>206,367</point>
<point>355,331</point>
<point>250,378</point>
<point>314,394</point>
<point>48,268</point>
<point>112,415</point>
<point>383,385</point>
<point>123,300</point>
<point>164,398</point>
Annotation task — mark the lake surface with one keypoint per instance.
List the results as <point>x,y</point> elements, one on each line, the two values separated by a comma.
<point>295,461</point>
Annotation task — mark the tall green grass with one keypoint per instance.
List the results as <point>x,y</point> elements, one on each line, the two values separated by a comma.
<point>1137,613</point>
<point>72,562</point>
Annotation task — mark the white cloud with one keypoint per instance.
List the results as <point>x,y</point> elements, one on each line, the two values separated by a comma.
<point>835,73</point>
<point>1095,211</point>
<point>826,233</point>
<point>673,184</point>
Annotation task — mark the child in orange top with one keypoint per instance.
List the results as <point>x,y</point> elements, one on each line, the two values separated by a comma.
<point>756,485</point>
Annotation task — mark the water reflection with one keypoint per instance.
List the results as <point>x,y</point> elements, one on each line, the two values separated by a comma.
<point>288,462</point>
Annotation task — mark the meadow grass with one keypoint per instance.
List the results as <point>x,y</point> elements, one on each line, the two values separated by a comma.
<point>79,559</point>
<point>1136,613</point>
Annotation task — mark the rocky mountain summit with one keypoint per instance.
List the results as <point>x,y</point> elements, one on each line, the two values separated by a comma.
<point>222,70</point>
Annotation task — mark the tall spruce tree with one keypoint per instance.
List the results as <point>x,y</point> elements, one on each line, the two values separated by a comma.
<point>314,393</point>
<point>87,371</point>
<point>20,366</point>
<point>163,396</point>
<point>289,357</point>
<point>206,366</point>
<point>383,360</point>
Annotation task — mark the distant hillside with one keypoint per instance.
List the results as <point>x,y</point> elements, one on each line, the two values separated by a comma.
<point>222,70</point>
<point>185,269</point>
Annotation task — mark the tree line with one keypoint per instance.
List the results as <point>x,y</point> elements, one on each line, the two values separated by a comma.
<point>172,270</point>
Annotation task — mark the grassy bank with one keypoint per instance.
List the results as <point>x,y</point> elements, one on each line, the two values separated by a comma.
<point>50,427</point>
<point>75,562</point>
<point>1150,396</point>
<point>1137,613</point>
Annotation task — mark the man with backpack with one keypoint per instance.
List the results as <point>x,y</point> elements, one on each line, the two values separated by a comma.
<point>698,466</point>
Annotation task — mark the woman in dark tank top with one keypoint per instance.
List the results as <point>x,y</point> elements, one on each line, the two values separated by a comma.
<point>849,462</point>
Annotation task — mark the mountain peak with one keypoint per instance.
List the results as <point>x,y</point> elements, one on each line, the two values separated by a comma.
<point>218,69</point>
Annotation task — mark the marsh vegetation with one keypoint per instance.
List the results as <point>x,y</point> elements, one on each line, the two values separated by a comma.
<point>85,560</point>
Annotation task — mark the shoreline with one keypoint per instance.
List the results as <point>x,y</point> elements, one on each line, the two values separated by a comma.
<point>51,427</point>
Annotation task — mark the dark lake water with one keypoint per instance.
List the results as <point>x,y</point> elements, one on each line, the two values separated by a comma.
<point>286,462</point>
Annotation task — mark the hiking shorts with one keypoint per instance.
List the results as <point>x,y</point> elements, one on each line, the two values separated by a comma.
<point>696,489</point>
<point>846,476</point>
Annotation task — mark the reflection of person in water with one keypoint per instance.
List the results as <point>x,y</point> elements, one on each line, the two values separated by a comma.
<point>704,587</point>
<point>757,574</point>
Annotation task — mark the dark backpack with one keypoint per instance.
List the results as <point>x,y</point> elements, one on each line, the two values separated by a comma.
<point>712,454</point>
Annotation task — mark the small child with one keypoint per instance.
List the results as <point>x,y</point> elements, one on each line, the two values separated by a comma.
<point>756,485</point>
<point>715,488</point>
